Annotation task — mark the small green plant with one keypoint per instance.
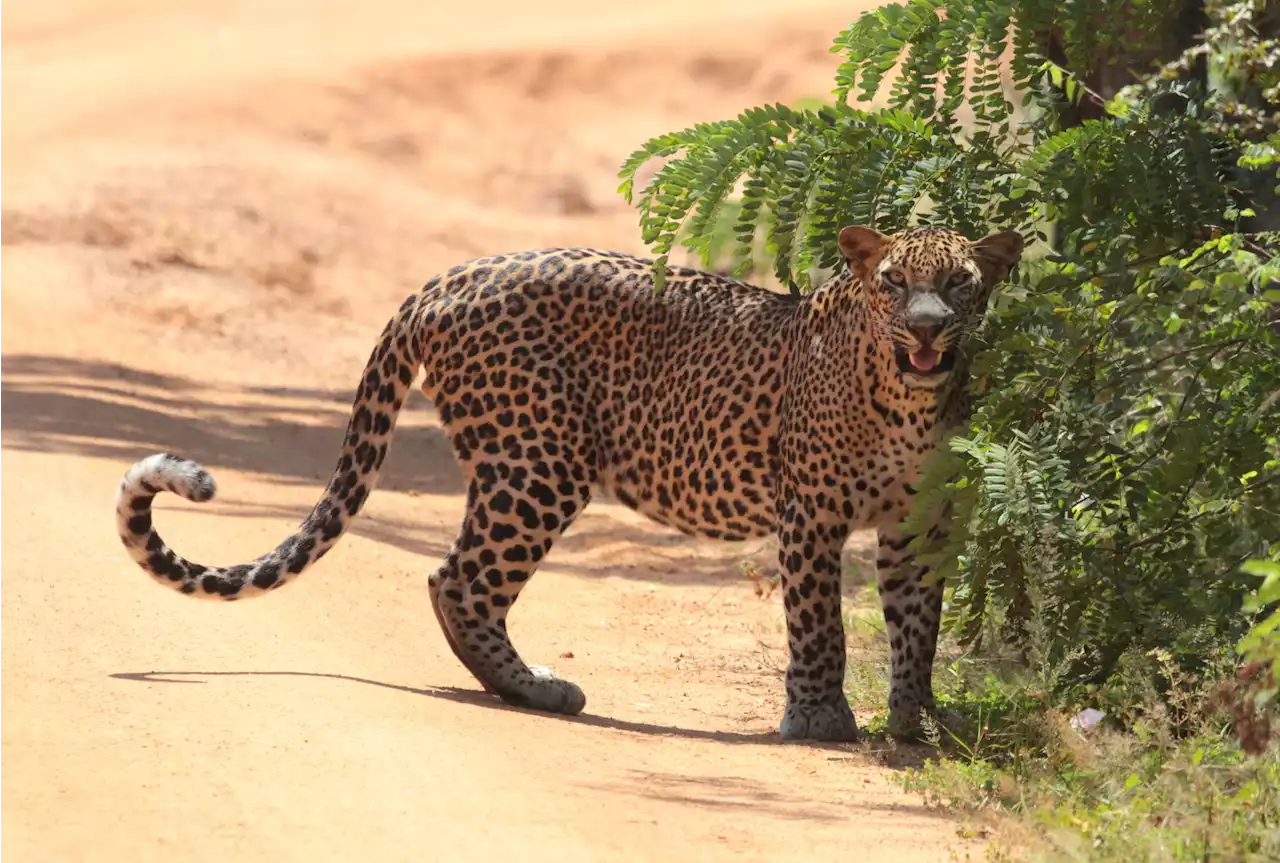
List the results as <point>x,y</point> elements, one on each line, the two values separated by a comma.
<point>867,672</point>
<point>1153,782</point>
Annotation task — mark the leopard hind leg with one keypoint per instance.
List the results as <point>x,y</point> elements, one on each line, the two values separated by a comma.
<point>515,512</point>
<point>446,574</point>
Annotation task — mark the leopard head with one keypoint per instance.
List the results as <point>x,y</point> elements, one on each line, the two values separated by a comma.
<point>926,290</point>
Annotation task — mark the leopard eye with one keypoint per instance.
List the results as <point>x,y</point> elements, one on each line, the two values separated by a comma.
<point>894,279</point>
<point>959,279</point>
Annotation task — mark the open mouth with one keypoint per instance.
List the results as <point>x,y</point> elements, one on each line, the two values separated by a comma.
<point>924,362</point>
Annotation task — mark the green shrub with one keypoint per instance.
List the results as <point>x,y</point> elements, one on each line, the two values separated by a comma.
<point>1124,457</point>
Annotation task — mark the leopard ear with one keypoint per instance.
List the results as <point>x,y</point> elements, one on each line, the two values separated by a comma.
<point>996,254</point>
<point>861,247</point>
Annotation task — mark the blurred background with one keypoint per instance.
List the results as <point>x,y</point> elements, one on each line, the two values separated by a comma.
<point>207,168</point>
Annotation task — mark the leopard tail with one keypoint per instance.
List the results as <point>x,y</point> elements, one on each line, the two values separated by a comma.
<point>383,387</point>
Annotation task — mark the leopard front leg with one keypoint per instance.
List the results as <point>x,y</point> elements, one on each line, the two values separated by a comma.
<point>809,548</point>
<point>911,598</point>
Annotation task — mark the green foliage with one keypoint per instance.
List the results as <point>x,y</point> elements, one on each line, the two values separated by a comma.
<point>1122,462</point>
<point>1124,457</point>
<point>793,166</point>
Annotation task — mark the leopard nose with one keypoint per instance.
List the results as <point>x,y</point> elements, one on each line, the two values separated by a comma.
<point>926,334</point>
<point>926,315</point>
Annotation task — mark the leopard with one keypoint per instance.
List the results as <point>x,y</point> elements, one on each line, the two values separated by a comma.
<point>715,407</point>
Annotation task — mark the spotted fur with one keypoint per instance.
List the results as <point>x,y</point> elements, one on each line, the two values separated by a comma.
<point>717,408</point>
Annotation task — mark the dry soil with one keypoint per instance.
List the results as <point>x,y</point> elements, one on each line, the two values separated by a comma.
<point>210,208</point>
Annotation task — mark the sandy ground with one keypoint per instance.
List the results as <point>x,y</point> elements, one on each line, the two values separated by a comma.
<point>209,210</point>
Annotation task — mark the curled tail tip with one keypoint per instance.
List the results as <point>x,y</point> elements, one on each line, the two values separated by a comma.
<point>168,472</point>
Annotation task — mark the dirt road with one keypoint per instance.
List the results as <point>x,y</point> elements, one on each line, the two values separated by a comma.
<point>209,209</point>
